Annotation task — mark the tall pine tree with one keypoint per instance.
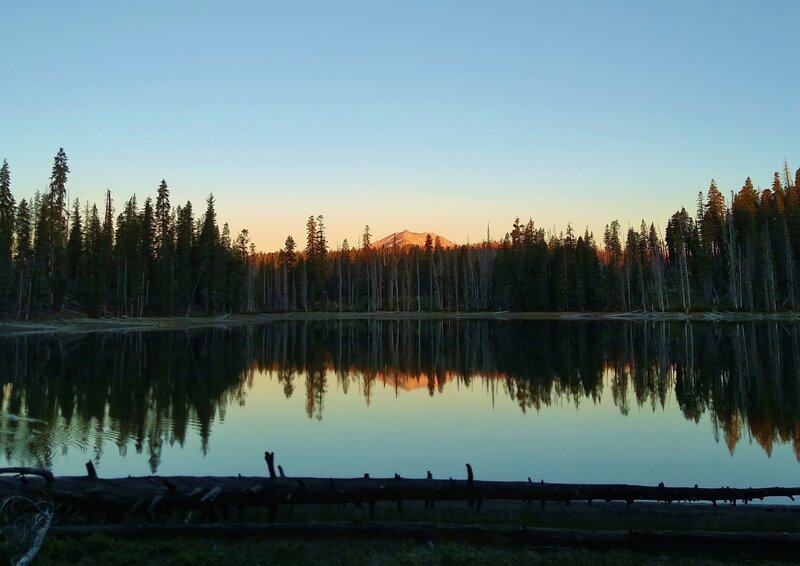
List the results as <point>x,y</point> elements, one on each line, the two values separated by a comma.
<point>7,213</point>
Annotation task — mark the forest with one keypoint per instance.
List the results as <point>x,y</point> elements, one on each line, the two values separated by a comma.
<point>154,259</point>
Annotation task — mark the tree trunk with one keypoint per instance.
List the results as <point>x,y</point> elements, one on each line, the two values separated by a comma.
<point>166,493</point>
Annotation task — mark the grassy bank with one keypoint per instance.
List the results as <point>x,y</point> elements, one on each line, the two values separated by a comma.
<point>163,547</point>
<point>102,550</point>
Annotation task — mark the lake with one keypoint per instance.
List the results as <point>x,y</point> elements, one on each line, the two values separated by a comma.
<point>562,401</point>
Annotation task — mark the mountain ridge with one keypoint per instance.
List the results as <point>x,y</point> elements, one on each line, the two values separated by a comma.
<point>408,238</point>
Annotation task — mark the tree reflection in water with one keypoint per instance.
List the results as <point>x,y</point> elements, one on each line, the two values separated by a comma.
<point>147,389</point>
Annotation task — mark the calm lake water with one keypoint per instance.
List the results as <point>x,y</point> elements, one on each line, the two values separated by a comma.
<point>556,400</point>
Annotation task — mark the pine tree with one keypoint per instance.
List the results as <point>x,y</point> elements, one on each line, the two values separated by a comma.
<point>7,214</point>
<point>709,265</point>
<point>128,254</point>
<point>615,285</point>
<point>75,246</point>
<point>287,260</point>
<point>95,268</point>
<point>163,216</point>
<point>745,217</point>
<point>316,267</point>
<point>366,242</point>
<point>164,264</point>
<point>58,197</point>
<point>680,231</point>
<point>241,292</point>
<point>321,243</point>
<point>778,191</point>
<point>24,259</point>
<point>52,235</point>
<point>655,250</point>
<point>211,266</point>
<point>147,250</point>
<point>184,245</point>
<point>713,219</point>
<point>105,253</point>
<point>516,234</point>
<point>311,236</point>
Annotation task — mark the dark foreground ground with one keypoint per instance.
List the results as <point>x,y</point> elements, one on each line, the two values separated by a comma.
<point>324,545</point>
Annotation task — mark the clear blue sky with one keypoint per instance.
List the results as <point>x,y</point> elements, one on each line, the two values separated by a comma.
<point>426,115</point>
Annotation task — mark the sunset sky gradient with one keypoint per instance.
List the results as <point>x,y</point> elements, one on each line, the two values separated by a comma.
<point>443,116</point>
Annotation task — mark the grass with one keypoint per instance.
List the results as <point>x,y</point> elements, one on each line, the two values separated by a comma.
<point>578,515</point>
<point>197,550</point>
<point>102,550</point>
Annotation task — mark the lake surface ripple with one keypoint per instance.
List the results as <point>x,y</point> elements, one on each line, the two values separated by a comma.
<point>563,401</point>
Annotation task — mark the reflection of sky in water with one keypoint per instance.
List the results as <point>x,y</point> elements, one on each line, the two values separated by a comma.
<point>410,432</point>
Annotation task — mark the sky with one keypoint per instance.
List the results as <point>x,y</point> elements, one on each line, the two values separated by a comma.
<point>429,116</point>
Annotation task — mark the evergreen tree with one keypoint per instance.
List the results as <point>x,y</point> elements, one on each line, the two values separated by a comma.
<point>288,255</point>
<point>51,235</point>
<point>745,218</point>
<point>713,219</point>
<point>311,236</point>
<point>225,238</point>
<point>316,267</point>
<point>184,244</point>
<point>615,285</point>
<point>516,234</point>
<point>778,193</point>
<point>707,247</point>
<point>366,242</point>
<point>321,243</point>
<point>147,250</point>
<point>75,246</point>
<point>128,254</point>
<point>105,254</point>
<point>590,267</point>
<point>241,284</point>
<point>287,261</point>
<point>163,216</point>
<point>680,233</point>
<point>164,263</point>
<point>7,217</point>
<point>58,198</point>
<point>24,259</point>
<point>95,267</point>
<point>211,266</point>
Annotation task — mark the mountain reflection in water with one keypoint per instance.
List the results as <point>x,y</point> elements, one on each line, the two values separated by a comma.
<point>151,390</point>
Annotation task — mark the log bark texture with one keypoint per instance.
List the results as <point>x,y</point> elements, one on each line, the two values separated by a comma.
<point>155,493</point>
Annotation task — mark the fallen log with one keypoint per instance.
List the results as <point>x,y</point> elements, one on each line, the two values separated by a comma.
<point>761,545</point>
<point>186,493</point>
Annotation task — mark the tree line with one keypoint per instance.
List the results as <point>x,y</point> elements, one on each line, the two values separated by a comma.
<point>151,259</point>
<point>740,253</point>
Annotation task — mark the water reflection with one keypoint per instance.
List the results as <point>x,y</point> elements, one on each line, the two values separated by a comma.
<point>148,390</point>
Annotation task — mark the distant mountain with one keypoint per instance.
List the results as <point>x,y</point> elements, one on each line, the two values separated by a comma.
<point>407,238</point>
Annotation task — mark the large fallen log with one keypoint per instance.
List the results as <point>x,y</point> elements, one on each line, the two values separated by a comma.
<point>184,493</point>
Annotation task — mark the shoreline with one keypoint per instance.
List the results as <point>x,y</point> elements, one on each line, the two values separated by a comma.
<point>80,325</point>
